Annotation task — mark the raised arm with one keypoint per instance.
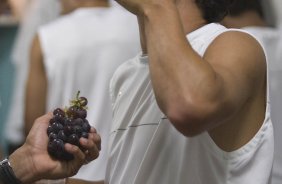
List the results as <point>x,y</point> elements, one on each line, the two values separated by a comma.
<point>197,93</point>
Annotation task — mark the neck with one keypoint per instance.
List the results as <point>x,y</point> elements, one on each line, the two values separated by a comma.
<point>96,3</point>
<point>246,19</point>
<point>190,16</point>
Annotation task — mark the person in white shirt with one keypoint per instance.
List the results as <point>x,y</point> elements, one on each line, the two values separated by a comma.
<point>37,12</point>
<point>187,110</point>
<point>80,52</point>
<point>250,16</point>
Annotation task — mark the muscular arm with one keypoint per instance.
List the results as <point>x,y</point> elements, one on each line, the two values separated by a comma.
<point>198,93</point>
<point>36,88</point>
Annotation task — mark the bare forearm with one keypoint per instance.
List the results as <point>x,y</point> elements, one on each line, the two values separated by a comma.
<point>179,75</point>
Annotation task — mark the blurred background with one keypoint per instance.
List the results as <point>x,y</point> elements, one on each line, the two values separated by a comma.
<point>19,21</point>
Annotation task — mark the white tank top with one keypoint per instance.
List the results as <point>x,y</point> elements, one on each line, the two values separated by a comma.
<point>270,38</point>
<point>81,52</point>
<point>145,148</point>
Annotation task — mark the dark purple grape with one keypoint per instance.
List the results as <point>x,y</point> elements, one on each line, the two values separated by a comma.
<point>52,121</point>
<point>68,121</point>
<point>59,111</point>
<point>68,127</point>
<point>84,134</point>
<point>60,119</point>
<point>52,136</point>
<point>83,101</point>
<point>56,148</point>
<point>51,148</point>
<point>57,145</point>
<point>86,127</point>
<point>73,139</point>
<point>56,127</point>
<point>85,121</point>
<point>82,113</point>
<point>72,112</point>
<point>62,136</point>
<point>49,130</point>
<point>68,130</point>
<point>77,130</point>
<point>78,121</point>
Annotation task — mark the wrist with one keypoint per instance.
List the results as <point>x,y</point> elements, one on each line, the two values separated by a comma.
<point>154,10</point>
<point>22,165</point>
<point>7,175</point>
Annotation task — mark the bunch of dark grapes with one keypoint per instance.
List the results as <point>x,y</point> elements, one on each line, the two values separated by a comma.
<point>68,126</point>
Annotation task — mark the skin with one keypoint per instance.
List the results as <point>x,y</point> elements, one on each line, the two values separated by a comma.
<point>248,18</point>
<point>31,162</point>
<point>19,7</point>
<point>36,87</point>
<point>216,93</point>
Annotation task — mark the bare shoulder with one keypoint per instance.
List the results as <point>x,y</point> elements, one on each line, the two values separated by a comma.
<point>236,42</point>
<point>237,50</point>
<point>240,61</point>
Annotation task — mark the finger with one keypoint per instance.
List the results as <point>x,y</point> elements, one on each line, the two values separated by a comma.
<point>76,152</point>
<point>44,119</point>
<point>96,138</point>
<point>92,151</point>
<point>93,130</point>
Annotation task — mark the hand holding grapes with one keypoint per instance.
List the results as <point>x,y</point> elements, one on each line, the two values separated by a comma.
<point>68,126</point>
<point>32,161</point>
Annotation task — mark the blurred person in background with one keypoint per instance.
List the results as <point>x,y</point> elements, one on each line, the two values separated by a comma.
<point>8,31</point>
<point>4,6</point>
<point>80,51</point>
<point>277,7</point>
<point>19,7</point>
<point>1,153</point>
<point>251,16</point>
<point>37,12</point>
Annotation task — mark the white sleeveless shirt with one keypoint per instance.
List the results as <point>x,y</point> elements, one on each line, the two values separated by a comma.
<point>81,52</point>
<point>145,148</point>
<point>270,38</point>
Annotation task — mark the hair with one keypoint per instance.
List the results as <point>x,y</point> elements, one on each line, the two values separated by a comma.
<point>214,10</point>
<point>241,6</point>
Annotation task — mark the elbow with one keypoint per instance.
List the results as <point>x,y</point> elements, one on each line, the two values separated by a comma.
<point>193,119</point>
<point>186,123</point>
